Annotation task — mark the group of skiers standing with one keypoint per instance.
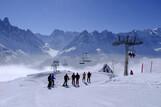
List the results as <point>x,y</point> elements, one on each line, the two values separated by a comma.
<point>88,77</point>
<point>75,79</point>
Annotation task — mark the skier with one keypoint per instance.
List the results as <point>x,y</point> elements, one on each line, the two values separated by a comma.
<point>84,77</point>
<point>66,78</point>
<point>89,77</point>
<point>49,81</point>
<point>73,79</point>
<point>131,72</point>
<point>52,79</point>
<point>77,79</point>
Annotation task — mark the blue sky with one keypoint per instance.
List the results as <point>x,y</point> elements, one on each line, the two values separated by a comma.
<point>44,16</point>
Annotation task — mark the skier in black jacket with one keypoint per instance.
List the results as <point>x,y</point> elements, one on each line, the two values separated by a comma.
<point>84,77</point>
<point>49,81</point>
<point>77,79</point>
<point>73,79</point>
<point>89,77</point>
<point>66,78</point>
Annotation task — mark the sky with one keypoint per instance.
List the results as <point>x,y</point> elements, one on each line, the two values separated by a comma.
<point>43,16</point>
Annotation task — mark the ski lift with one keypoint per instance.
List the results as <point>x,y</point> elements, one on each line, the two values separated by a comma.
<point>131,53</point>
<point>55,64</point>
<point>82,61</point>
<point>86,58</point>
<point>65,63</point>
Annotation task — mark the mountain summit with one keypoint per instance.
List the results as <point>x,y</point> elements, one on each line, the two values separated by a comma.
<point>16,40</point>
<point>6,21</point>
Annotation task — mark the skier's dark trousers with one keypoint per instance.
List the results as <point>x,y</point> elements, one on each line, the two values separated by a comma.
<point>66,78</point>
<point>52,79</point>
<point>84,77</point>
<point>89,77</point>
<point>77,79</point>
<point>49,81</point>
<point>73,79</point>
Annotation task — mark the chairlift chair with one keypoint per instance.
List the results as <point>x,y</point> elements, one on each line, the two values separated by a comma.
<point>86,58</point>
<point>131,53</point>
<point>81,62</point>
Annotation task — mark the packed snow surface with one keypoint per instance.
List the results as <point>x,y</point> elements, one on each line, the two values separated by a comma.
<point>139,90</point>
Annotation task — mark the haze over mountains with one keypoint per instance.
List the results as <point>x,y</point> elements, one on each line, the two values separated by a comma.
<point>17,42</point>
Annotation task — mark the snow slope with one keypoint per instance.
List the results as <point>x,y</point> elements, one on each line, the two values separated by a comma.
<point>11,72</point>
<point>141,90</point>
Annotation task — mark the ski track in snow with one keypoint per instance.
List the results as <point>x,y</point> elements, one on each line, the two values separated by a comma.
<point>141,90</point>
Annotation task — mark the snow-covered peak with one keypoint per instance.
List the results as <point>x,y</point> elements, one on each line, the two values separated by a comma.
<point>6,21</point>
<point>95,32</point>
<point>157,29</point>
<point>57,32</point>
<point>85,32</point>
<point>15,39</point>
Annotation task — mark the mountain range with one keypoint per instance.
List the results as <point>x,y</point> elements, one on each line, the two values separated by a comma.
<point>101,42</point>
<point>17,42</point>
